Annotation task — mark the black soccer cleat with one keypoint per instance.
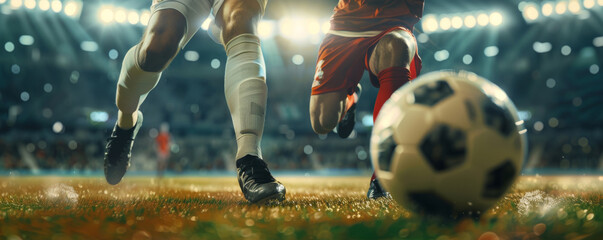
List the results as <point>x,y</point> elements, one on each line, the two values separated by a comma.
<point>256,182</point>
<point>346,125</point>
<point>375,190</point>
<point>119,151</point>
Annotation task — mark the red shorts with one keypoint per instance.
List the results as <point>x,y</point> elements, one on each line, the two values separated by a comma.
<point>342,61</point>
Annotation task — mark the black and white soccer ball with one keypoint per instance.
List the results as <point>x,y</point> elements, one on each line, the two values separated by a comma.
<point>448,143</point>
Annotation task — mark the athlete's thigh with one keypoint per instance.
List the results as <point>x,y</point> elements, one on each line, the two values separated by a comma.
<point>192,11</point>
<point>224,9</point>
<point>394,49</point>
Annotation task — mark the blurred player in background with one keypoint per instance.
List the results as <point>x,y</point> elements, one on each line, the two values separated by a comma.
<point>372,35</point>
<point>163,148</point>
<point>171,26</point>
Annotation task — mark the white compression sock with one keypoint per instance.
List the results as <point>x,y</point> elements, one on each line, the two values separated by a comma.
<point>134,83</point>
<point>246,92</point>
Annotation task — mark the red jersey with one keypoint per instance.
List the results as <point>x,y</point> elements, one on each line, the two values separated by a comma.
<point>371,15</point>
<point>163,142</point>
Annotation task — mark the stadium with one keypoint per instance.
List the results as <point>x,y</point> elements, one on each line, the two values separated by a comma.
<point>60,61</point>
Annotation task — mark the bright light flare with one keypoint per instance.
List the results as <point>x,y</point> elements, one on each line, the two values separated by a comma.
<point>313,26</point>
<point>266,29</point>
<point>470,21</point>
<point>145,16</point>
<point>588,4</point>
<point>14,4</point>
<point>496,19</point>
<point>445,23</point>
<point>105,14</point>
<point>547,9</point>
<point>326,26</point>
<point>120,15</point>
<point>561,7</point>
<point>530,12</point>
<point>206,23</point>
<point>483,19</point>
<point>133,17</point>
<point>30,4</point>
<point>457,22</point>
<point>73,8</point>
<point>56,6</point>
<point>430,23</point>
<point>44,5</point>
<point>294,28</point>
<point>574,6</point>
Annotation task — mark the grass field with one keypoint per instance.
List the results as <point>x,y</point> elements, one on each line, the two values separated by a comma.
<point>564,207</point>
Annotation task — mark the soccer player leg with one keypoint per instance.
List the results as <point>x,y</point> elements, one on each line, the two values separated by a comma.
<point>246,94</point>
<point>245,76</point>
<point>326,109</point>
<point>140,72</point>
<point>143,63</point>
<point>391,62</point>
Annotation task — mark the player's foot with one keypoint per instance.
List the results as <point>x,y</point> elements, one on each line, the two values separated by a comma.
<point>256,182</point>
<point>119,151</point>
<point>346,124</point>
<point>375,190</point>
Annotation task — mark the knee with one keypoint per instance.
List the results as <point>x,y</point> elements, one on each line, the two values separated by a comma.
<point>239,21</point>
<point>158,48</point>
<point>395,49</point>
<point>323,124</point>
<point>155,56</point>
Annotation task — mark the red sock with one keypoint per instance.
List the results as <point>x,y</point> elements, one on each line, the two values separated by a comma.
<point>389,81</point>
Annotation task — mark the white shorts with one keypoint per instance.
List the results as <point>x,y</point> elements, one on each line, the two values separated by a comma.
<point>195,12</point>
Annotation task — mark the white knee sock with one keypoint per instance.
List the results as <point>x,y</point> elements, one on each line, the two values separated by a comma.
<point>246,92</point>
<point>134,83</point>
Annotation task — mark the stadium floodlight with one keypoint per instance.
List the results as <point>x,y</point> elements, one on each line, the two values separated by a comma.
<point>44,5</point>
<point>561,7</point>
<point>89,46</point>
<point>266,29</point>
<point>429,23</point>
<point>574,6</point>
<point>121,15</point>
<point>56,6</point>
<point>313,26</point>
<point>483,19</point>
<point>26,40</point>
<point>326,26</point>
<point>470,21</point>
<point>542,47</point>
<point>145,16</point>
<point>588,4</point>
<point>547,9</point>
<point>496,18</point>
<point>15,4</point>
<point>73,8</point>
<point>133,17</point>
<point>445,23</point>
<point>105,14</point>
<point>598,41</point>
<point>206,23</point>
<point>491,51</point>
<point>293,28</point>
<point>457,22</point>
<point>30,4</point>
<point>600,2</point>
<point>2,1</point>
<point>530,12</point>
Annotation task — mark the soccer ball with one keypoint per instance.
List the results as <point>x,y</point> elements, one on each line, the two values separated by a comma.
<point>448,144</point>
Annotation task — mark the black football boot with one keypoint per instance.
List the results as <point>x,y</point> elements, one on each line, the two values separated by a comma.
<point>119,151</point>
<point>256,182</point>
<point>346,125</point>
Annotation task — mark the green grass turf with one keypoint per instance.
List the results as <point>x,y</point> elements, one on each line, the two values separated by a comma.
<point>564,207</point>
